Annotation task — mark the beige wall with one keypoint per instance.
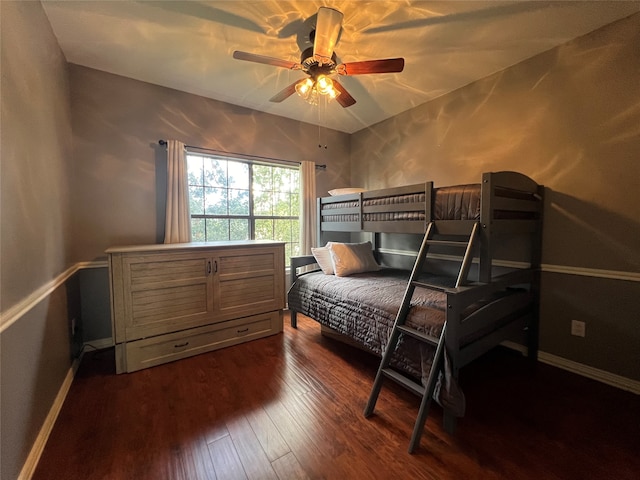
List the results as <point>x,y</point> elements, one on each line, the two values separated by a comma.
<point>121,170</point>
<point>570,119</point>
<point>35,236</point>
<point>36,142</point>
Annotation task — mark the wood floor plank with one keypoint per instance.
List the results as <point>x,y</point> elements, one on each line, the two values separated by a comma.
<point>291,405</point>
<point>287,467</point>
<point>257,465</point>
<point>226,460</point>
<point>302,443</point>
<point>268,435</point>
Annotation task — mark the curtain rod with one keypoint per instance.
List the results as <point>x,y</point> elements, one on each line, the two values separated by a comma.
<point>318,167</point>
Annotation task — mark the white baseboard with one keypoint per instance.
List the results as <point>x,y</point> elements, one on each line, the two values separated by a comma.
<point>602,376</point>
<point>40,442</point>
<point>37,448</point>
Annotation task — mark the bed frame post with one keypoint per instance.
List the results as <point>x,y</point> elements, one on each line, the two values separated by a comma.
<point>536,264</point>
<point>297,262</point>
<point>318,222</point>
<point>486,219</point>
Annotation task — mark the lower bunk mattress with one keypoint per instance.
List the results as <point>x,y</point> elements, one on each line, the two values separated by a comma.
<point>364,307</point>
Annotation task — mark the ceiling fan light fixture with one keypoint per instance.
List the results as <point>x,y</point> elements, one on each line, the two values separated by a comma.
<point>325,87</point>
<point>324,84</point>
<point>310,89</point>
<point>304,87</point>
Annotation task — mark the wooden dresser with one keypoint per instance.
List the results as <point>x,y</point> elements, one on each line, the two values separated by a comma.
<point>173,301</point>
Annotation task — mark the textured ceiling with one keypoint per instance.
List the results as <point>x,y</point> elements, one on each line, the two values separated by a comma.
<point>188,46</point>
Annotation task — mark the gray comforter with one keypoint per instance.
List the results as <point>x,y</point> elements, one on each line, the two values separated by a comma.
<point>364,307</point>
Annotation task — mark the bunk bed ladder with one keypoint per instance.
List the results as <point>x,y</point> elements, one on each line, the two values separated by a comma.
<point>399,328</point>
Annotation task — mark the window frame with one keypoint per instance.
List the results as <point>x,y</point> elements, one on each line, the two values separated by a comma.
<point>251,217</point>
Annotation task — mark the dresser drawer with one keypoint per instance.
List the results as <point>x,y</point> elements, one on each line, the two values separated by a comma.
<point>174,346</point>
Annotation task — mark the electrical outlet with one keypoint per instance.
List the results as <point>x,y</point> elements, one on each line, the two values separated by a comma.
<point>578,328</point>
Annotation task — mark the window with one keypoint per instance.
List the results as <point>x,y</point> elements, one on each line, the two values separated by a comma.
<point>231,199</point>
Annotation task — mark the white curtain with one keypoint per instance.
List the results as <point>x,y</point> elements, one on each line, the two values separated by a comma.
<point>308,207</point>
<point>178,219</point>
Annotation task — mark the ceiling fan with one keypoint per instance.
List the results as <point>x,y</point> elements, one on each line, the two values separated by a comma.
<point>319,62</point>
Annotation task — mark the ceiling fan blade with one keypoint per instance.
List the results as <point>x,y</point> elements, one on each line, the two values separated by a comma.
<point>345,99</point>
<point>284,93</point>
<point>276,62</point>
<point>389,65</point>
<point>328,24</point>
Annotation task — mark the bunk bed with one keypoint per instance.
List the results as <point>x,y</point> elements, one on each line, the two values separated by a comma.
<point>496,301</point>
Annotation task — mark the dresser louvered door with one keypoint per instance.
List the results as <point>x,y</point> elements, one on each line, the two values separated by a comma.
<point>248,281</point>
<point>167,293</point>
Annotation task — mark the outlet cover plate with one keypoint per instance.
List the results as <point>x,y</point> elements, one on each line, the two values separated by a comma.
<point>578,328</point>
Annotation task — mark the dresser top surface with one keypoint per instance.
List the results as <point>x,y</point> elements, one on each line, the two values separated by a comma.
<point>193,246</point>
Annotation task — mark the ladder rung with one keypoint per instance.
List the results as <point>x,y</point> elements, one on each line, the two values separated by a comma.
<point>449,243</point>
<point>423,337</point>
<point>404,381</point>
<point>432,286</point>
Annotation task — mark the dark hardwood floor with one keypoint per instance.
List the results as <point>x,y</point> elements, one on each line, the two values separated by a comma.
<point>290,407</point>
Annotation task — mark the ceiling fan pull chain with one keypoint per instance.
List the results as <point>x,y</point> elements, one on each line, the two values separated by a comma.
<point>322,117</point>
<point>319,129</point>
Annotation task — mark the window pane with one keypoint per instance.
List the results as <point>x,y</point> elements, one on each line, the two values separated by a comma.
<point>295,204</point>
<point>238,175</point>
<point>215,202</point>
<point>262,178</point>
<point>282,230</point>
<point>281,179</point>
<point>197,230</point>
<point>215,172</point>
<point>238,229</point>
<point>217,229</point>
<point>291,250</point>
<point>238,202</point>
<point>282,205</point>
<point>196,200</point>
<point>262,203</point>
<point>264,230</point>
<point>194,170</point>
<point>294,180</point>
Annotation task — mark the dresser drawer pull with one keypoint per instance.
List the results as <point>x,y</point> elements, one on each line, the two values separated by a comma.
<point>243,330</point>
<point>180,345</point>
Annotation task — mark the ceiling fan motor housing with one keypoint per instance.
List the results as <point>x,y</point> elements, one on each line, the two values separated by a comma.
<point>313,67</point>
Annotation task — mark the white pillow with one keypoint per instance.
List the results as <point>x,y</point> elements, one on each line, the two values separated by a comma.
<point>323,258</point>
<point>344,191</point>
<point>350,258</point>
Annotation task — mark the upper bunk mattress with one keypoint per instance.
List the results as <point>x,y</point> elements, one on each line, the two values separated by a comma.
<point>460,202</point>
